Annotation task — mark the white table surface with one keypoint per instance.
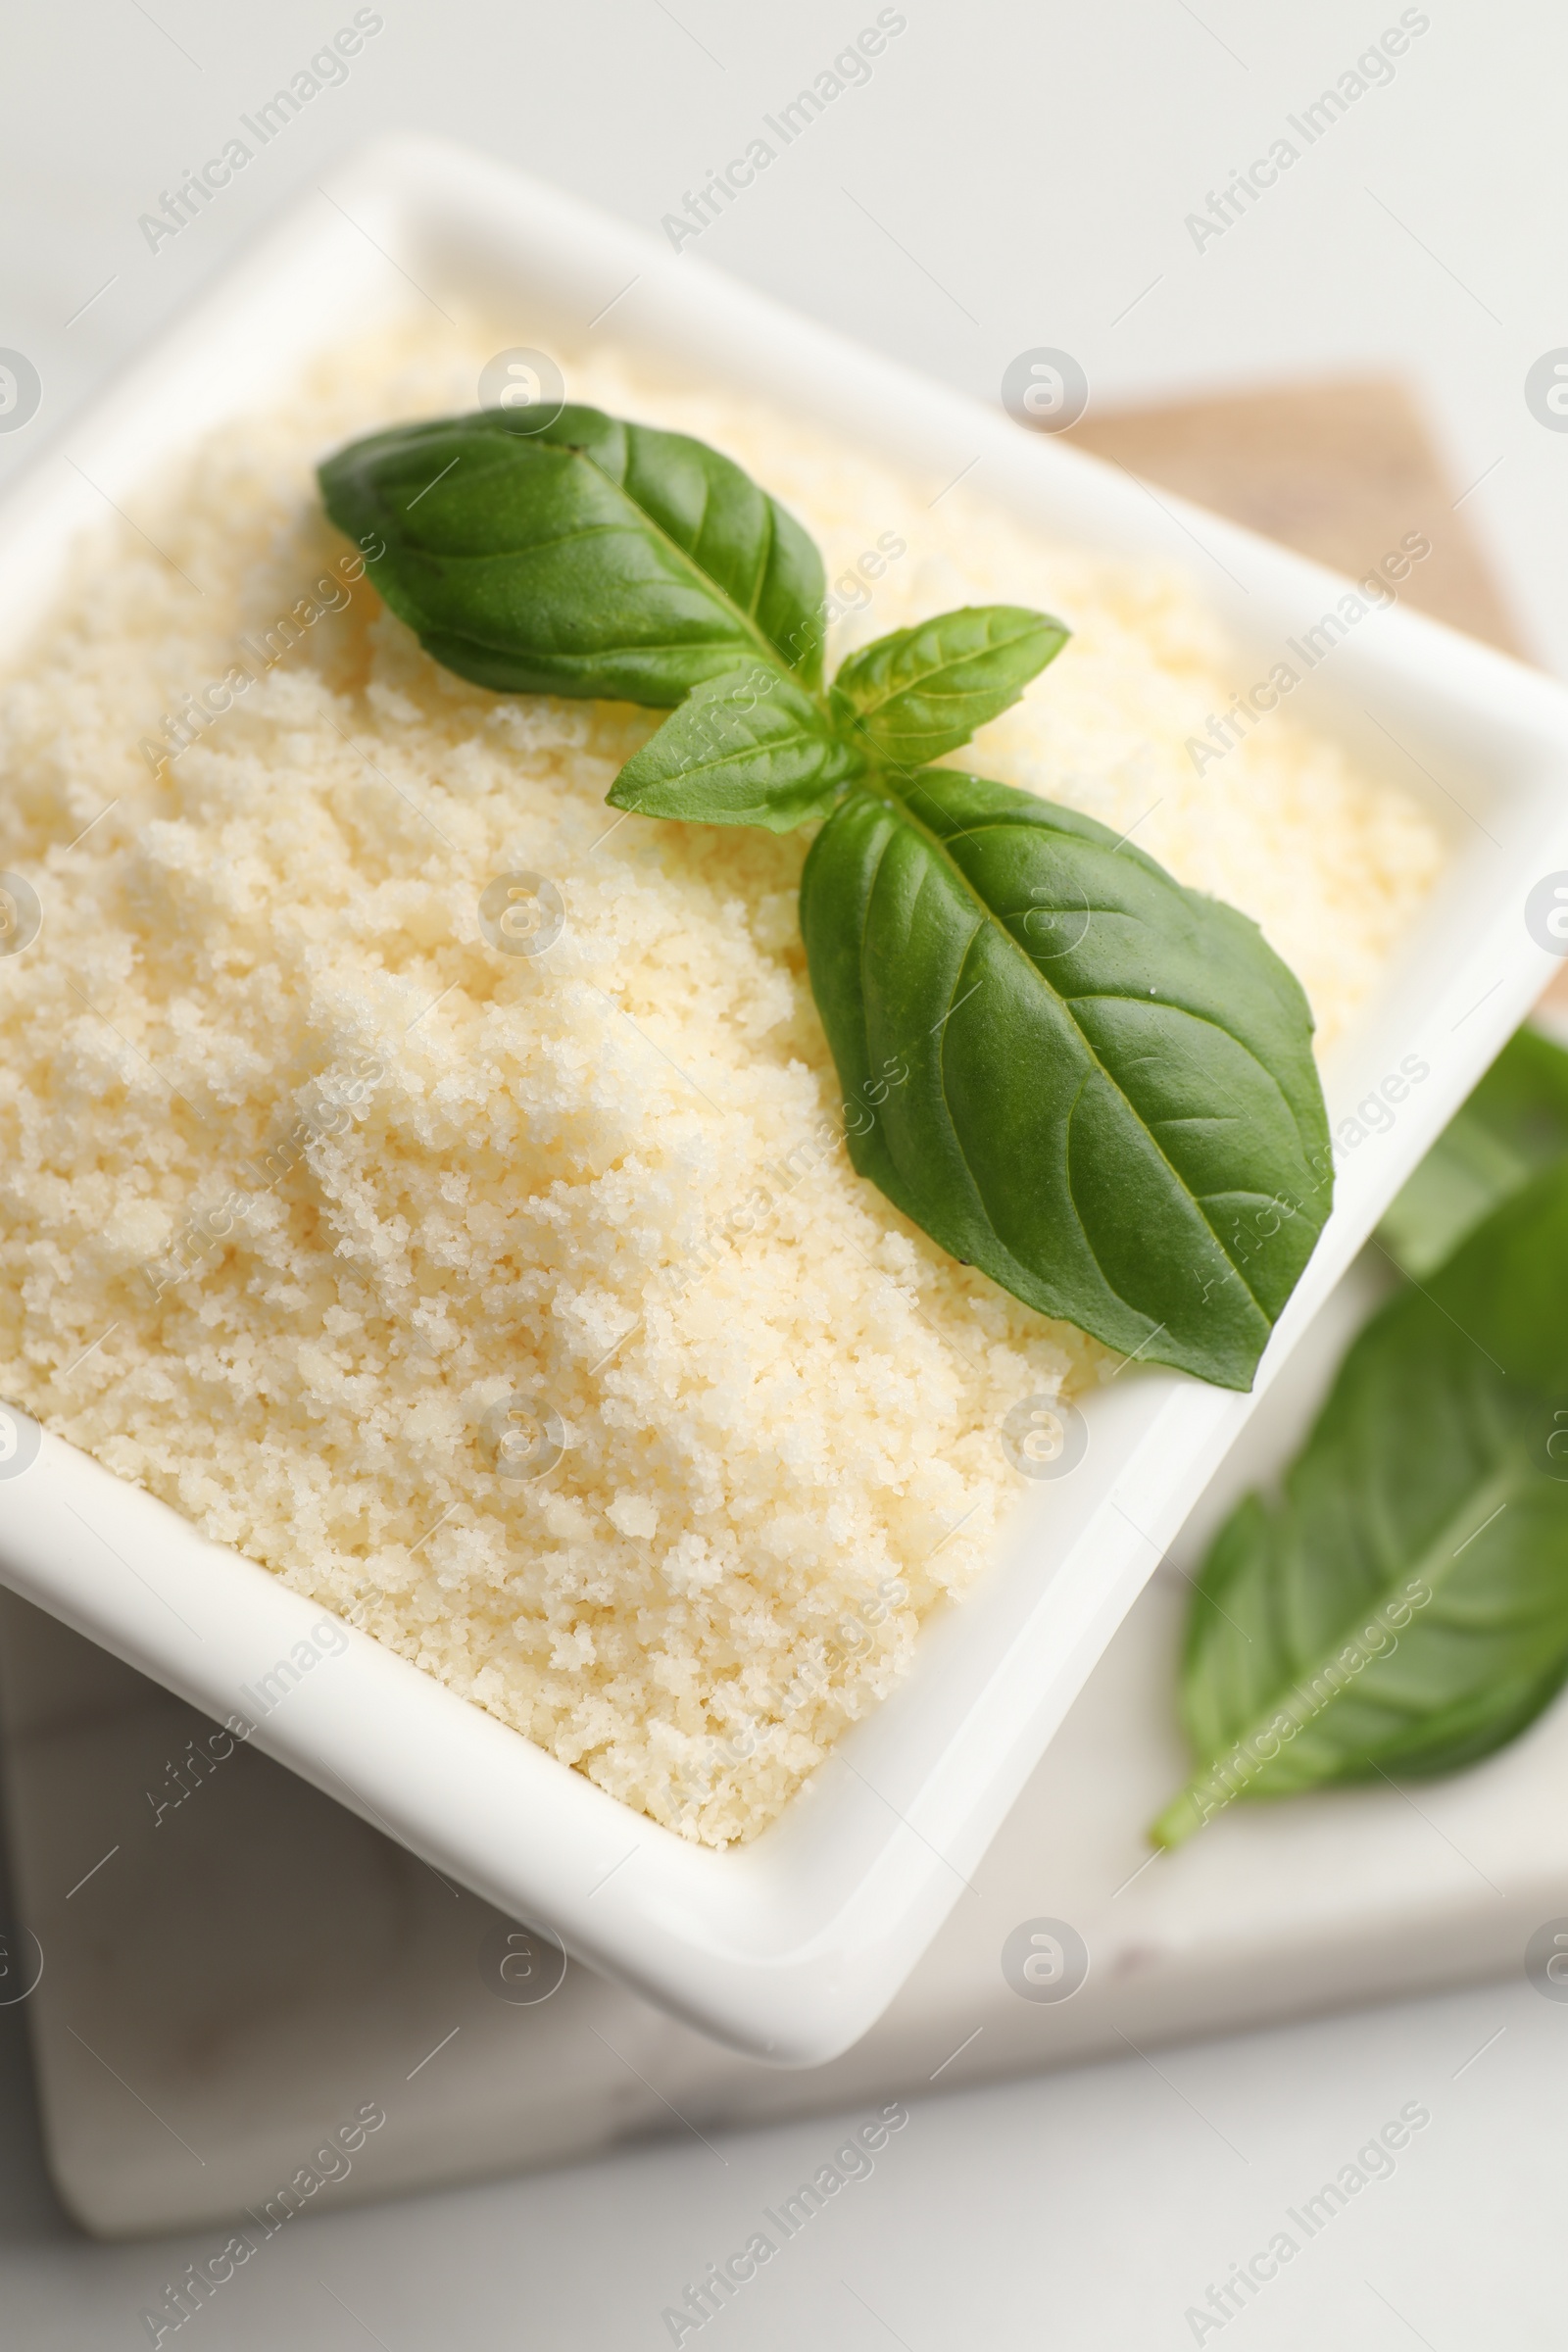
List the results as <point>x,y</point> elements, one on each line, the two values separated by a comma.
<point>1014,175</point>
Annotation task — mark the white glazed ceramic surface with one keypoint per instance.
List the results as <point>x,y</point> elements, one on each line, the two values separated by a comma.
<point>791,1947</point>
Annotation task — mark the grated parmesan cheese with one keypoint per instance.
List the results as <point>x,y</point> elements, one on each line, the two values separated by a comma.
<point>303,1181</point>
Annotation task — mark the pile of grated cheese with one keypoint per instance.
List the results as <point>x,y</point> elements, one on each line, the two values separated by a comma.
<point>302,1179</point>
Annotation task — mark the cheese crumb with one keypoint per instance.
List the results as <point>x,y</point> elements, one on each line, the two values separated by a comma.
<point>633,1515</point>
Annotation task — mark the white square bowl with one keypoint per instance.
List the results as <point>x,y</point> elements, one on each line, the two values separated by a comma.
<point>790,1947</point>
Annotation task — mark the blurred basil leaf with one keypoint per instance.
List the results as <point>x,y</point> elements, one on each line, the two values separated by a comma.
<point>1513,1126</point>
<point>1403,1609</point>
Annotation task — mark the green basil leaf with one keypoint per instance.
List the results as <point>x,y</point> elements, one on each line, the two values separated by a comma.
<point>1112,1106</point>
<point>750,749</point>
<point>1405,1608</point>
<point>910,697</point>
<point>589,558</point>
<point>1513,1126</point>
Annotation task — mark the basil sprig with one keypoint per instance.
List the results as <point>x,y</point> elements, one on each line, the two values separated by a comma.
<point>1403,1611</point>
<point>1112,1106</point>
